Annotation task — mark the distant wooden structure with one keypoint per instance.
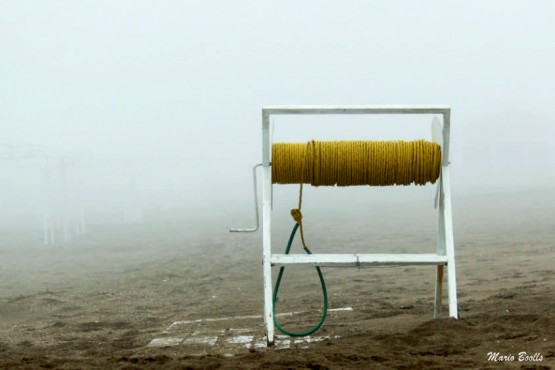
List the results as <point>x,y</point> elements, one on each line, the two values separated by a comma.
<point>61,184</point>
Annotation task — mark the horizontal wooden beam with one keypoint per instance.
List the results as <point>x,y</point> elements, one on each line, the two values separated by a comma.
<point>356,109</point>
<point>354,260</point>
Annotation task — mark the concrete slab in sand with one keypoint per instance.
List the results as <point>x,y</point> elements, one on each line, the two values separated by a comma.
<point>228,335</point>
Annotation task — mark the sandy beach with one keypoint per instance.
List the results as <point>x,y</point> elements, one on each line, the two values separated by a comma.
<point>184,293</point>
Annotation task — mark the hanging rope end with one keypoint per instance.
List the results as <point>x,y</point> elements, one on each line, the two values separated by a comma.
<point>297,215</point>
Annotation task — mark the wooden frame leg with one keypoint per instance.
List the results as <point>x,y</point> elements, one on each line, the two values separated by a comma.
<point>438,292</point>
<point>449,246</point>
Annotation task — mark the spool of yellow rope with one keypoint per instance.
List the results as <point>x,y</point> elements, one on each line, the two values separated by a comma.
<point>348,163</point>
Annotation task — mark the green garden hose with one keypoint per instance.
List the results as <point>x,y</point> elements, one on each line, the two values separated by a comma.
<point>276,289</point>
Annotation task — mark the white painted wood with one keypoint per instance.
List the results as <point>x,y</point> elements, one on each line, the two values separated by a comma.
<point>267,229</point>
<point>449,245</point>
<point>440,248</point>
<point>272,129</point>
<point>266,144</point>
<point>446,138</point>
<point>447,216</point>
<point>437,131</point>
<point>357,259</point>
<point>356,109</point>
<point>437,137</point>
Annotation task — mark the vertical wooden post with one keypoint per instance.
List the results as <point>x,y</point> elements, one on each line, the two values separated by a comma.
<point>266,228</point>
<point>449,245</point>
<point>440,251</point>
<point>448,217</point>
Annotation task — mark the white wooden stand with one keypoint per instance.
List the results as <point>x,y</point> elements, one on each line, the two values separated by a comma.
<point>445,252</point>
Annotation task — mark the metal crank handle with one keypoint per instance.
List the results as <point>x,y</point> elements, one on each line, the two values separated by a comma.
<point>256,216</point>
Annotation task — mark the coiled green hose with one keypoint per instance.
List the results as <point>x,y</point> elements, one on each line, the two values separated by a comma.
<point>276,289</point>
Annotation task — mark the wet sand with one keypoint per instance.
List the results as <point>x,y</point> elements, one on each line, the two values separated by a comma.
<point>184,293</point>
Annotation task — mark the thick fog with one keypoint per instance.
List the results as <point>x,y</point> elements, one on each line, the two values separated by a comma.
<point>119,111</point>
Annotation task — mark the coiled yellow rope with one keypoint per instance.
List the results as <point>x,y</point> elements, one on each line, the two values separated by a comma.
<point>348,163</point>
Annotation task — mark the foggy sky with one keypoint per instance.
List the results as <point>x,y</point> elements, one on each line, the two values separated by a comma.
<point>168,94</point>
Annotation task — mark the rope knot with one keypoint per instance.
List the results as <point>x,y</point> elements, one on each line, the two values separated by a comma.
<point>297,215</point>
